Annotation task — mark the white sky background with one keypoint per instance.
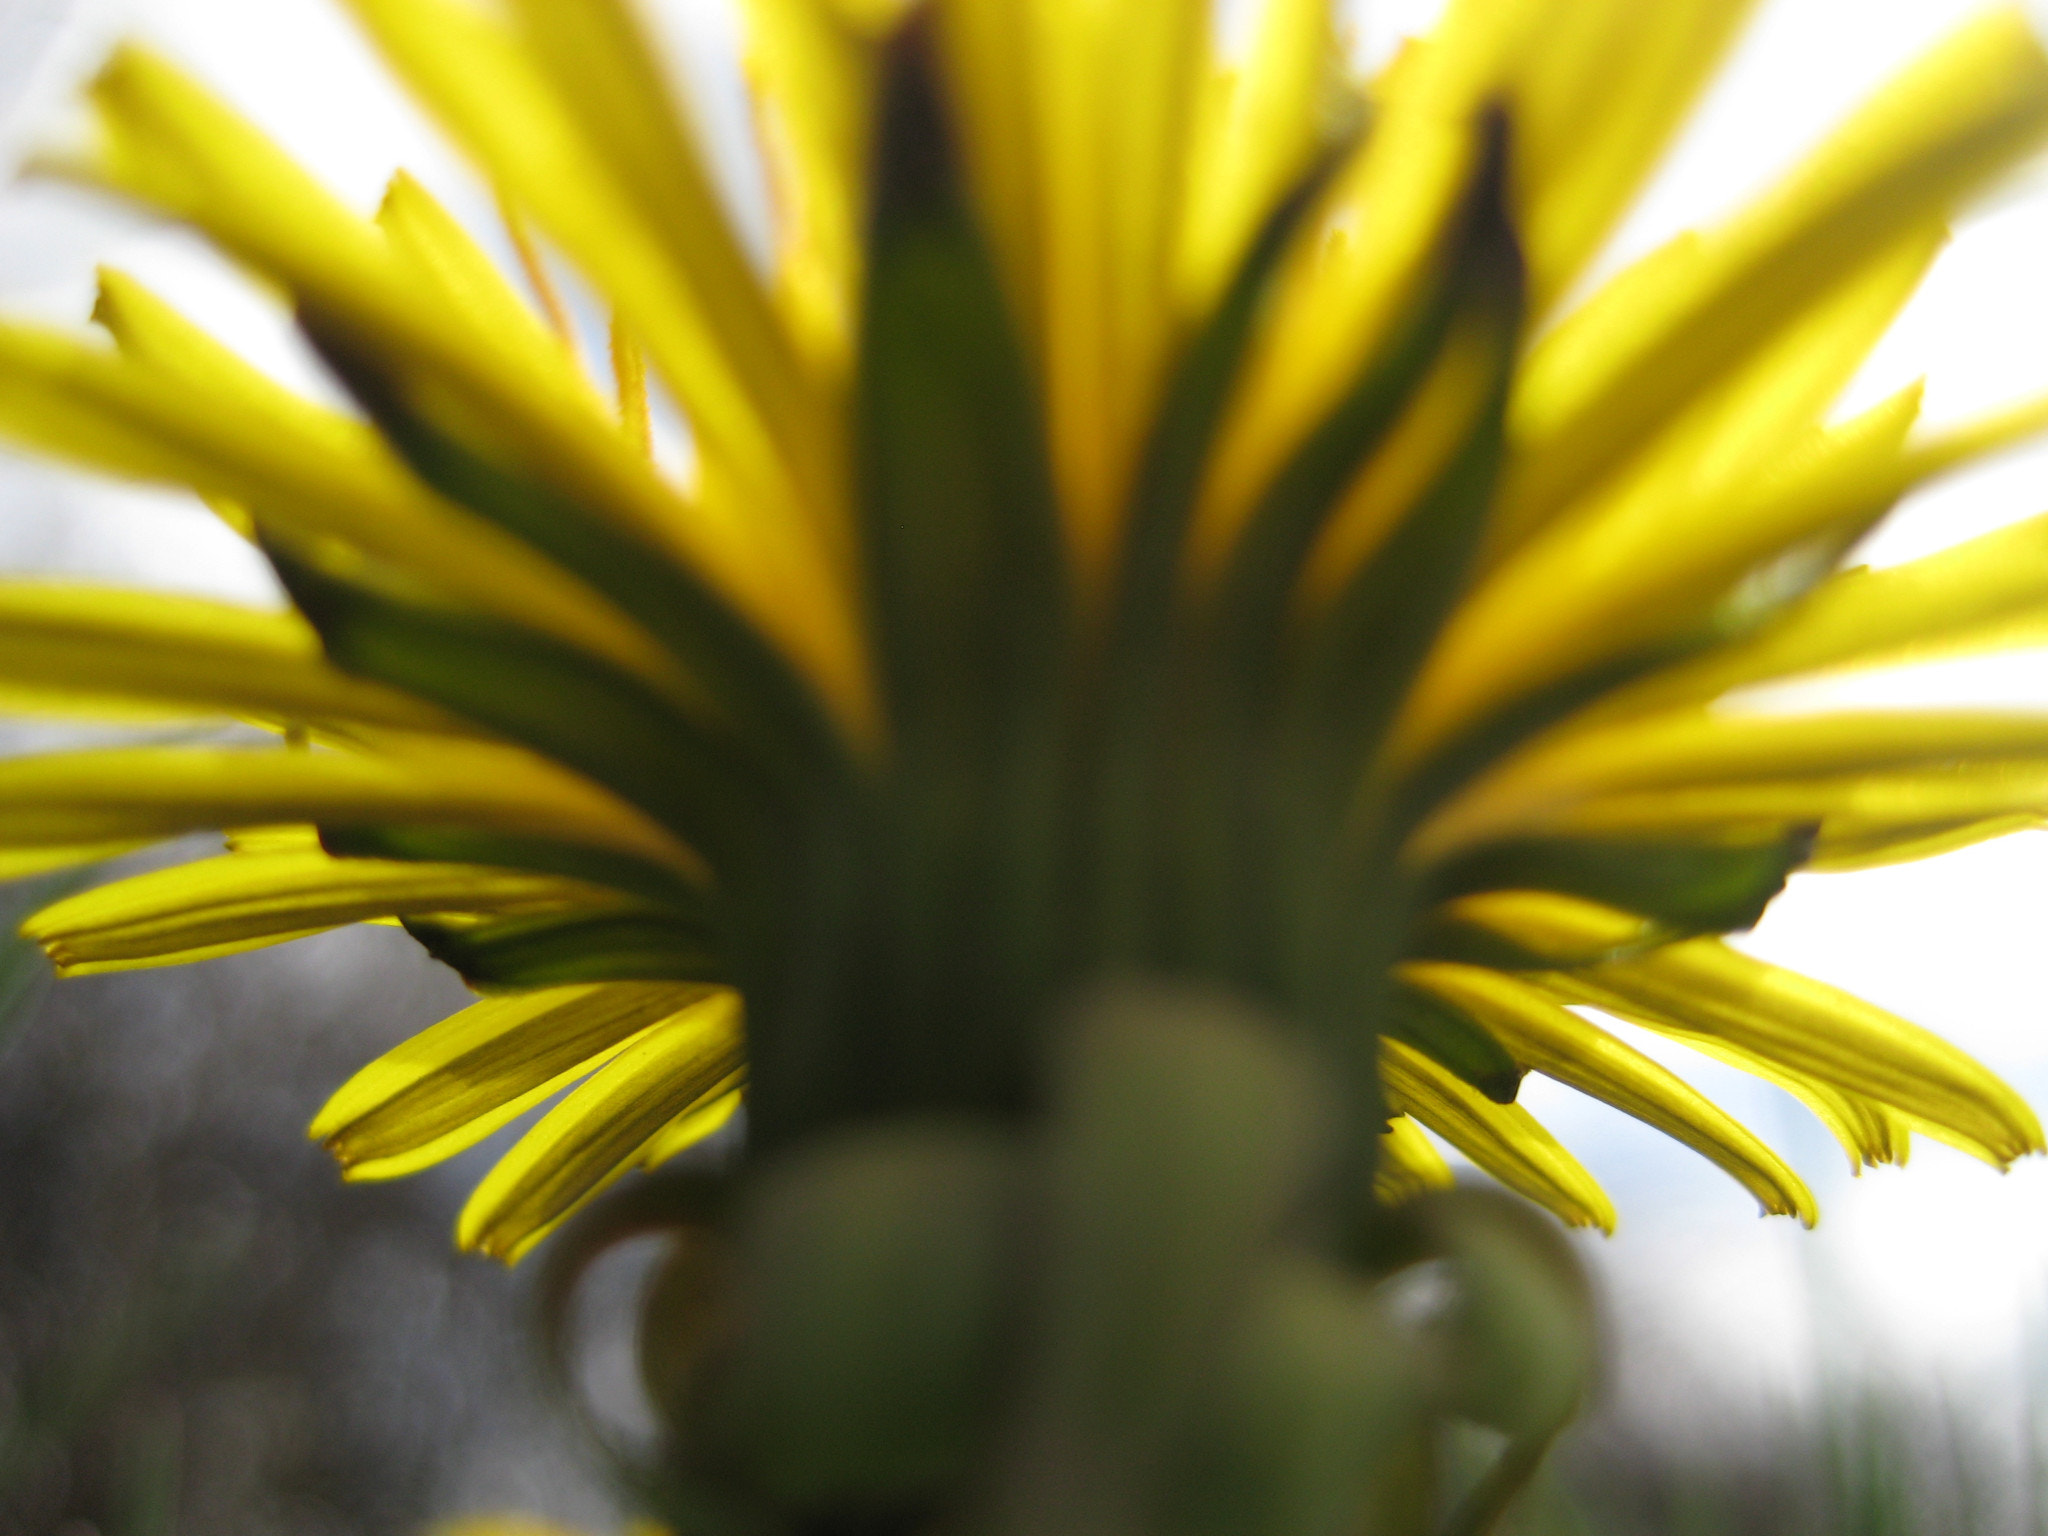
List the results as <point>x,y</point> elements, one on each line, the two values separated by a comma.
<point>1941,1269</point>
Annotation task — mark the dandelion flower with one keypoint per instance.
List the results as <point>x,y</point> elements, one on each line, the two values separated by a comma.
<point>1153,513</point>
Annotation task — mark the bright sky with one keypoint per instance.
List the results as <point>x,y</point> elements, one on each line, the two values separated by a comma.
<point>1940,1267</point>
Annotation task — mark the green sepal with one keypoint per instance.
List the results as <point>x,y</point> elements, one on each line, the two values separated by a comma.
<point>559,948</point>
<point>964,564</point>
<point>460,845</point>
<point>1353,666</point>
<point>1454,1041</point>
<point>1283,723</point>
<point>772,708</point>
<point>1132,702</point>
<point>954,915</point>
<point>1687,887</point>
<point>567,705</point>
<point>1479,267</point>
<point>1441,936</point>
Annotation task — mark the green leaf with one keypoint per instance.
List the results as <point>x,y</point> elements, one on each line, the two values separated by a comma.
<point>1455,1041</point>
<point>557,949</point>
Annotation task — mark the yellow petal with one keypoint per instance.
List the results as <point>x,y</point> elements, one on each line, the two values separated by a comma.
<point>985,46</point>
<point>1741,475</point>
<point>1409,1165</point>
<point>1827,1035</point>
<point>101,650</point>
<point>454,1083</point>
<point>1257,126</point>
<point>1552,1040</point>
<point>1860,810</point>
<point>1503,1139</point>
<point>432,243</point>
<point>690,1127</point>
<point>562,106</point>
<point>1113,90</point>
<point>1853,849</point>
<point>222,905</point>
<point>606,83</point>
<point>1988,593</point>
<point>1560,929</point>
<point>286,837</point>
<point>1594,103</point>
<point>1866,1073</point>
<point>1699,767</point>
<point>813,78</point>
<point>1349,278</point>
<point>176,406</point>
<point>595,1134</point>
<point>1871,1134</point>
<point>1624,363</point>
<point>138,794</point>
<point>168,142</point>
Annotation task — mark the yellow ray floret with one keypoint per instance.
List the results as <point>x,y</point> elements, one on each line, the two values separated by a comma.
<point>1694,766</point>
<point>453,1084</point>
<point>166,142</point>
<point>1595,98</point>
<point>813,70</point>
<point>1739,477</point>
<point>563,107</point>
<point>1703,987</point>
<point>137,794</point>
<point>1547,1038</point>
<point>1409,1165</point>
<point>1605,380</point>
<point>1503,1139</point>
<point>106,651</point>
<point>1826,1034</point>
<point>1870,1134</point>
<point>1988,593</point>
<point>1259,121</point>
<point>1346,282</point>
<point>1111,92</point>
<point>175,406</point>
<point>223,905</point>
<point>690,1061</point>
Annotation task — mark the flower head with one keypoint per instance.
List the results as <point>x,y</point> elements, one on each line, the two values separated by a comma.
<point>1154,513</point>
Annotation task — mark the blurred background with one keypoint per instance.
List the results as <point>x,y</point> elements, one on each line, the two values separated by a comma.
<point>202,1330</point>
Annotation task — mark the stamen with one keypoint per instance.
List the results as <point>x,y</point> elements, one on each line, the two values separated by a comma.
<point>629,369</point>
<point>536,270</point>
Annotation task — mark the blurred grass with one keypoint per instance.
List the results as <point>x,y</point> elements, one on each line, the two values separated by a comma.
<point>203,1332</point>
<point>1876,1460</point>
